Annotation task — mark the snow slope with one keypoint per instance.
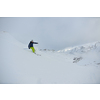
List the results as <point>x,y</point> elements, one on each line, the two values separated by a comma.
<point>18,65</point>
<point>82,48</point>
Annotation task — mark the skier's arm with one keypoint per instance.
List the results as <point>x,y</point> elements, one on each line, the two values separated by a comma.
<point>35,42</point>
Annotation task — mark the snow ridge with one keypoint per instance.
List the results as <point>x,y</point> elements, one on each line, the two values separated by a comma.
<point>82,48</point>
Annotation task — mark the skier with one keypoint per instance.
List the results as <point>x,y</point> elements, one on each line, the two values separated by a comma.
<point>30,46</point>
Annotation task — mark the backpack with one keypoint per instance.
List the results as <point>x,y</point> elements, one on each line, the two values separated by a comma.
<point>29,46</point>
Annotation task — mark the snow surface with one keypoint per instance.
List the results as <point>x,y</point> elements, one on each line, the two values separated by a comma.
<point>18,65</point>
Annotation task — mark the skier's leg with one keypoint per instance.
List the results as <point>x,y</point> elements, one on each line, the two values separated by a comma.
<point>32,49</point>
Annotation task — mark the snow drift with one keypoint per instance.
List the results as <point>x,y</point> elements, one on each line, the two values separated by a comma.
<point>18,65</point>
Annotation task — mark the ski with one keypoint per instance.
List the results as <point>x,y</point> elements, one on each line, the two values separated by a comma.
<point>37,54</point>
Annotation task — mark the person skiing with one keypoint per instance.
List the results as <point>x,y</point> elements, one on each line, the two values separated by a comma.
<point>30,46</point>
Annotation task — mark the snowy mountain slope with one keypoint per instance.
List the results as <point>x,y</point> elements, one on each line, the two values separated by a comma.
<point>82,48</point>
<point>87,54</point>
<point>19,65</point>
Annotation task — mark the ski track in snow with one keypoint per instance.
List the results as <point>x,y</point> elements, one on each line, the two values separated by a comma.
<point>18,65</point>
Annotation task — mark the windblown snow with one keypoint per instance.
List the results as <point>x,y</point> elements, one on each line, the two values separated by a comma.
<point>74,65</point>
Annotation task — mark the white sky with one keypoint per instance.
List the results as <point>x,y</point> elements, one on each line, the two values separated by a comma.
<point>53,32</point>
